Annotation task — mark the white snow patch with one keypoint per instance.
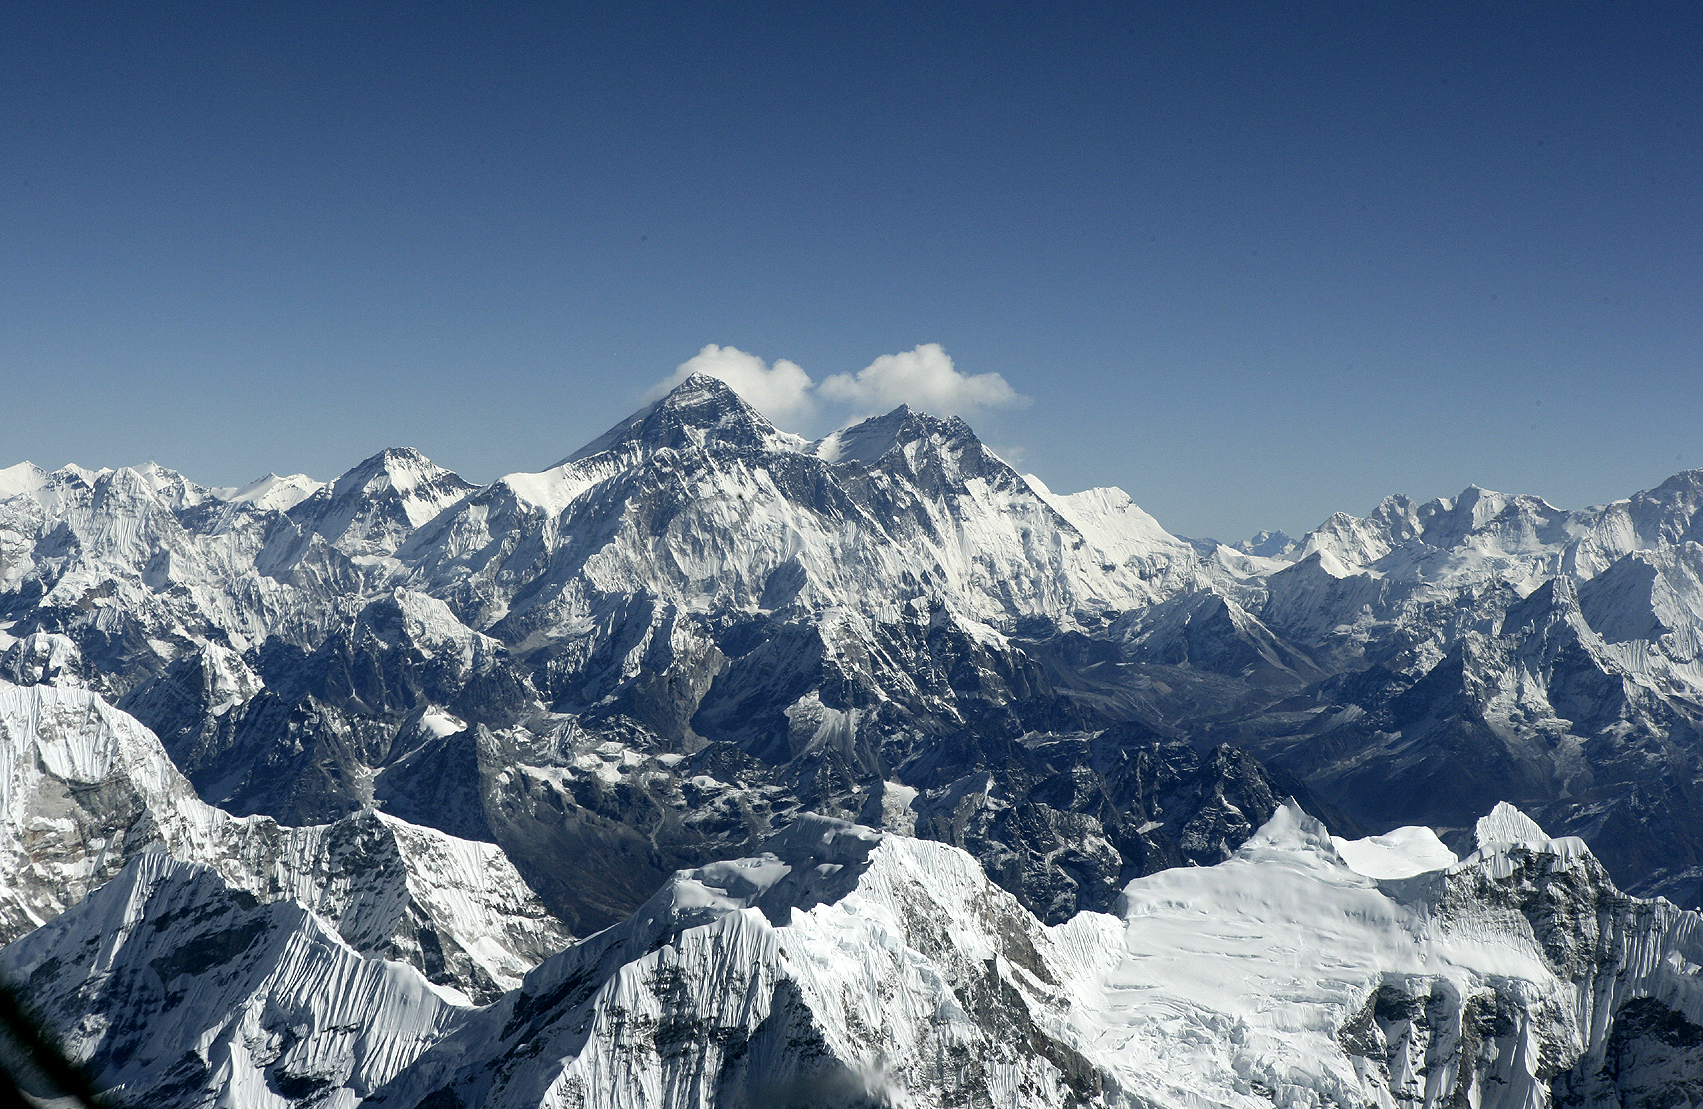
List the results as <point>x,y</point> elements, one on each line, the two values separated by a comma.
<point>441,724</point>
<point>1506,824</point>
<point>280,494</point>
<point>550,491</point>
<point>1401,853</point>
<point>25,477</point>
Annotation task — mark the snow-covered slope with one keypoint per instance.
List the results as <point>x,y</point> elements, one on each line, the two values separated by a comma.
<point>842,967</point>
<point>1265,976</point>
<point>170,988</point>
<point>84,789</point>
<point>277,493</point>
<point>1386,972</point>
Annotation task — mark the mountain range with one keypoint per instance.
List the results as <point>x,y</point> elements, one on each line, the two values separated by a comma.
<point>867,770</point>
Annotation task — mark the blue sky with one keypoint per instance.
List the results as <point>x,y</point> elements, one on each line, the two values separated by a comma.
<point>1255,263</point>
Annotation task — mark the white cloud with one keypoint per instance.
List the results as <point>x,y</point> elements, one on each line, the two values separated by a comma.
<point>781,392</point>
<point>923,378</point>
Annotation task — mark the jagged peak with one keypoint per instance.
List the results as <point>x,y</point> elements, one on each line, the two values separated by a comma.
<point>701,408</point>
<point>1678,499</point>
<point>1481,505</point>
<point>1474,499</point>
<point>398,484</point>
<point>1398,518</point>
<point>1324,560</point>
<point>148,480</point>
<point>165,481</point>
<point>1505,831</point>
<point>1551,598</point>
<point>1396,504</point>
<point>696,388</point>
<point>1686,481</point>
<point>1291,828</point>
<point>1336,521</point>
<point>28,479</point>
<point>83,473</point>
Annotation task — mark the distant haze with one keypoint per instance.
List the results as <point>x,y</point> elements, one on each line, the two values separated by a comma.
<point>1254,264</point>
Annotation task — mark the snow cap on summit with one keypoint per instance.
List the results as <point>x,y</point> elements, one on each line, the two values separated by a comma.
<point>781,392</point>
<point>394,492</point>
<point>872,439</point>
<point>280,493</point>
<point>1291,827</point>
<point>400,468</point>
<point>1399,853</point>
<point>923,376</point>
<point>25,477</point>
<point>699,407</point>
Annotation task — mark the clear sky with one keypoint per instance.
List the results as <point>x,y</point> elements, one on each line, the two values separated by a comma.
<point>1252,262</point>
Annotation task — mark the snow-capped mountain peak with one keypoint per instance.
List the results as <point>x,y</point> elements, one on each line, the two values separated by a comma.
<point>1505,825</point>
<point>25,477</point>
<point>871,440</point>
<point>705,640</point>
<point>1268,544</point>
<point>413,476</point>
<point>699,409</point>
<point>274,492</point>
<point>377,504</point>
